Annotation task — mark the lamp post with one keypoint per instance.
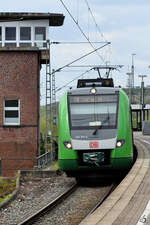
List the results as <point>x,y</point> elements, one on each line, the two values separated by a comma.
<point>132,69</point>
<point>130,87</point>
<point>142,94</point>
<point>131,81</point>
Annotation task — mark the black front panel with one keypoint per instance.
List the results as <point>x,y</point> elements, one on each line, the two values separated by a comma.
<point>94,158</point>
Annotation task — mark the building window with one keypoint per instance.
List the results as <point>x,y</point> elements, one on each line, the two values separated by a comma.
<point>40,44</point>
<point>0,33</point>
<point>10,44</point>
<point>10,33</point>
<point>40,33</point>
<point>0,36</point>
<point>25,33</point>
<point>23,44</point>
<point>12,112</point>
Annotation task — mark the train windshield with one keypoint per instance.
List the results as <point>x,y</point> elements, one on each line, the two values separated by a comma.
<point>93,111</point>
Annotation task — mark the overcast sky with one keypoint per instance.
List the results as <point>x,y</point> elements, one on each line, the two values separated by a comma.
<point>126,24</point>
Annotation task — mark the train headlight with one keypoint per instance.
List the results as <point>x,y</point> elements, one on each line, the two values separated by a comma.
<point>93,91</point>
<point>67,144</point>
<point>120,143</point>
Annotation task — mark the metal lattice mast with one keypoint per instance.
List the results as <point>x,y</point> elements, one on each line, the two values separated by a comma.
<point>48,98</point>
<point>54,98</point>
<point>54,116</point>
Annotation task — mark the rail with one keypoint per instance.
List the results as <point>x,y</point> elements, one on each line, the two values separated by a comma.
<point>32,218</point>
<point>112,188</point>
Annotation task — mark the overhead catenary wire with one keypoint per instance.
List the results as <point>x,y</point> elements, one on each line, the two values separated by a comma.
<point>98,29</point>
<point>81,30</point>
<point>94,67</point>
<point>87,71</point>
<point>77,42</point>
<point>100,32</point>
<point>87,54</point>
<point>77,10</point>
<point>67,65</point>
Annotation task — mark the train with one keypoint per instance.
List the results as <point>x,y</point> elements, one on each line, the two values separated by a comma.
<point>95,130</point>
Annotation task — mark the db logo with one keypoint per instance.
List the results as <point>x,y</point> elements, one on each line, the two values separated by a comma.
<point>93,144</point>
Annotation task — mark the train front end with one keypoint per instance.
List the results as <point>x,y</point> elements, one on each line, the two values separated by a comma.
<point>95,133</point>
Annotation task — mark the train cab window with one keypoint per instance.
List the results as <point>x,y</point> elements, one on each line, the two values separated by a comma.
<point>11,112</point>
<point>91,112</point>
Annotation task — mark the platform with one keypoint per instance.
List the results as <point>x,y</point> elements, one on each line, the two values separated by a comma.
<point>129,203</point>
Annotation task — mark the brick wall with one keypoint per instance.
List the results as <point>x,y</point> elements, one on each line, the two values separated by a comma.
<point>19,71</point>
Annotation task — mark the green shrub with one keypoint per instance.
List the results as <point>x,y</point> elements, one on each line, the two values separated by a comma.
<point>7,186</point>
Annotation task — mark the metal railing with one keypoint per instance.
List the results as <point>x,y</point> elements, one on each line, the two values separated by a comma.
<point>45,159</point>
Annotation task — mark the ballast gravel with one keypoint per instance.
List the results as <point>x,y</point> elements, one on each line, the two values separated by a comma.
<point>75,208</point>
<point>33,194</point>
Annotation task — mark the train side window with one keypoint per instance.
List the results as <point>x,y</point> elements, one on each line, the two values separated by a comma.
<point>11,112</point>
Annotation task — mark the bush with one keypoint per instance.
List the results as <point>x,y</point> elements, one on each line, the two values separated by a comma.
<point>7,186</point>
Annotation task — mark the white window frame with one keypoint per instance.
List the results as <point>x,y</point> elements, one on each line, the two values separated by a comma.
<point>10,41</point>
<point>32,24</point>
<point>11,109</point>
<point>20,33</point>
<point>40,41</point>
<point>25,41</point>
<point>1,36</point>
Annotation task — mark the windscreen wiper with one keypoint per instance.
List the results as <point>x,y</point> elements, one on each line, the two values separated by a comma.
<point>95,131</point>
<point>99,127</point>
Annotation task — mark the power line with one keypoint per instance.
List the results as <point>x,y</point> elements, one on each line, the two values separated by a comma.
<point>111,67</point>
<point>95,20</point>
<point>77,42</point>
<point>81,29</point>
<point>89,53</point>
<point>98,28</point>
<point>87,71</point>
<point>67,65</point>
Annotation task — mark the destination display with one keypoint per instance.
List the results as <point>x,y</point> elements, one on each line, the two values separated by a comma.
<point>92,99</point>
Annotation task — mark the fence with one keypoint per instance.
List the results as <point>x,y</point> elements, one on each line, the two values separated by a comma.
<point>45,159</point>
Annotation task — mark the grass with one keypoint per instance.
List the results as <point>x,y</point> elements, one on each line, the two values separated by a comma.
<point>7,186</point>
<point>55,165</point>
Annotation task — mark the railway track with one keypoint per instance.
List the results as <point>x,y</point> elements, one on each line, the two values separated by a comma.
<point>32,218</point>
<point>112,187</point>
<point>36,218</point>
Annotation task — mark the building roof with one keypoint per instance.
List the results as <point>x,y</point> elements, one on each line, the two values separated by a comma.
<point>54,19</point>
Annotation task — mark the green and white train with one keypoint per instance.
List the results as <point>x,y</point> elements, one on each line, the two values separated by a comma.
<point>95,132</point>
